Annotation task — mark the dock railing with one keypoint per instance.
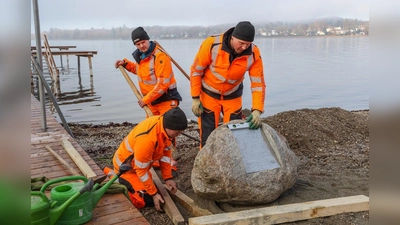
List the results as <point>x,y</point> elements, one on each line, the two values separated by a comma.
<point>50,94</point>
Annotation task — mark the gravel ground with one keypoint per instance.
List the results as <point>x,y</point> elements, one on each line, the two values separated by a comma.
<point>331,143</point>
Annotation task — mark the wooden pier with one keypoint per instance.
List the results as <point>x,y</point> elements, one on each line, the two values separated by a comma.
<point>112,208</point>
<point>63,50</point>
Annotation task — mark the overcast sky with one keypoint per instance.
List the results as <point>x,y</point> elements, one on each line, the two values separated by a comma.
<point>86,14</point>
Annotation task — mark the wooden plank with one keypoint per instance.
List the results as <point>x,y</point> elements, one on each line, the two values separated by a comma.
<point>51,175</point>
<point>287,213</point>
<point>188,203</point>
<point>169,206</point>
<point>48,157</point>
<point>52,163</point>
<point>115,218</point>
<point>78,159</point>
<point>60,47</point>
<point>70,168</point>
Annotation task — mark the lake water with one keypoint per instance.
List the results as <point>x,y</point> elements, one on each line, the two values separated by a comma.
<point>302,72</point>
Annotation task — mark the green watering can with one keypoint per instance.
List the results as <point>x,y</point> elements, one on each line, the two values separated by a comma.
<point>80,211</point>
<point>45,212</point>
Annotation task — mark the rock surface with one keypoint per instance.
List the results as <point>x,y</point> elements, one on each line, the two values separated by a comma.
<point>220,172</point>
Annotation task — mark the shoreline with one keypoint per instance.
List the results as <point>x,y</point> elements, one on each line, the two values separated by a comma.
<point>126,123</point>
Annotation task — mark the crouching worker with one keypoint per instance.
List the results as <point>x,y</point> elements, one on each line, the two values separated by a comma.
<point>148,142</point>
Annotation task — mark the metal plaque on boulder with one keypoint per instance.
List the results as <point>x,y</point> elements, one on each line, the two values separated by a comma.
<point>256,152</point>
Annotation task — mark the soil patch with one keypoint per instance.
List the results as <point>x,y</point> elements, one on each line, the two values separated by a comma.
<point>331,143</point>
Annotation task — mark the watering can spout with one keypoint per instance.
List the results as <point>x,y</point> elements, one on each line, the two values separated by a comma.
<point>100,192</point>
<point>58,211</point>
<point>97,194</point>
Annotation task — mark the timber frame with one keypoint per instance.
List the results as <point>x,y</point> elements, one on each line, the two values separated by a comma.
<point>274,214</point>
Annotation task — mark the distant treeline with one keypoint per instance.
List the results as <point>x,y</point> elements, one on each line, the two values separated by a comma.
<point>325,26</point>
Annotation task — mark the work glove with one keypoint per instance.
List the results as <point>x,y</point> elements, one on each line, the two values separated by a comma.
<point>197,108</point>
<point>254,120</point>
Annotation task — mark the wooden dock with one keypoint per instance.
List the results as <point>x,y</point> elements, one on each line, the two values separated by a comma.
<point>63,50</point>
<point>112,208</point>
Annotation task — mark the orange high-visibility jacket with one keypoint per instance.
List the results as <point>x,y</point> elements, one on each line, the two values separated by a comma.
<point>147,142</point>
<point>154,74</point>
<point>213,70</point>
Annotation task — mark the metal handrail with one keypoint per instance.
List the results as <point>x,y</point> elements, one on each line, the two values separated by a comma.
<point>50,93</point>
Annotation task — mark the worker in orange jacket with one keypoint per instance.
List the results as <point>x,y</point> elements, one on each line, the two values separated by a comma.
<point>154,71</point>
<point>216,78</point>
<point>149,141</point>
<point>155,76</point>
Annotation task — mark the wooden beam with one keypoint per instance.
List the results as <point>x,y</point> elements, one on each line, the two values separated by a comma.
<point>78,159</point>
<point>188,203</point>
<point>70,168</point>
<point>288,213</point>
<point>169,206</point>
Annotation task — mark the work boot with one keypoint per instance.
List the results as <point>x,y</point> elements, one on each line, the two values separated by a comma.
<point>109,172</point>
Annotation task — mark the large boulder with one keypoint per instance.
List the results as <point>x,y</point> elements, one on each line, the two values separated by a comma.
<point>243,166</point>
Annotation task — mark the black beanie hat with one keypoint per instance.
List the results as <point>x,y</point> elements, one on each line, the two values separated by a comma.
<point>244,31</point>
<point>175,119</point>
<point>139,34</point>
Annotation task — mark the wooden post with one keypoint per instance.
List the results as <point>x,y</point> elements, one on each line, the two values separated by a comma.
<point>61,61</point>
<point>90,66</point>
<point>79,64</point>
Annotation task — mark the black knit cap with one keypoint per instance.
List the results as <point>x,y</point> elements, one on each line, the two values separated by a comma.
<point>175,119</point>
<point>139,34</point>
<point>244,31</point>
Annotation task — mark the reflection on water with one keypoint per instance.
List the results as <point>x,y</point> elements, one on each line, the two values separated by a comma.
<point>80,95</point>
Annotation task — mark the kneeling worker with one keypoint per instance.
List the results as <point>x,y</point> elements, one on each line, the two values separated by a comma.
<point>148,142</point>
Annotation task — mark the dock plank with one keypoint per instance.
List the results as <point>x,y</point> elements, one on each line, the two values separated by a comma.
<point>112,208</point>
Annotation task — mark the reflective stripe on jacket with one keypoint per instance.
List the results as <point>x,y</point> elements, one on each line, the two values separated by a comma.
<point>216,70</point>
<point>155,76</point>
<point>147,142</point>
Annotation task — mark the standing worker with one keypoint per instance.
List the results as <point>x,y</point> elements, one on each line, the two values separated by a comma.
<point>154,71</point>
<point>217,74</point>
<point>149,141</point>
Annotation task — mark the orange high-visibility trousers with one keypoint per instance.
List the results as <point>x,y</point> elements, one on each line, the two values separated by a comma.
<point>212,108</point>
<point>134,186</point>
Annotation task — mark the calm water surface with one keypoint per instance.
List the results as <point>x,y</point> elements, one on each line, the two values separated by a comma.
<point>299,72</point>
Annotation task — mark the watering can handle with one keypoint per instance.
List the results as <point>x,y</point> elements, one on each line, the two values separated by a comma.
<point>41,194</point>
<point>61,179</point>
